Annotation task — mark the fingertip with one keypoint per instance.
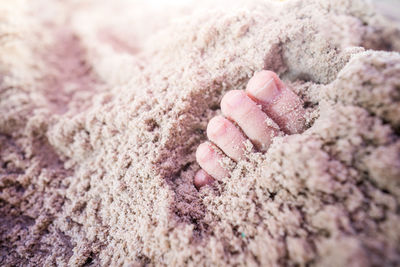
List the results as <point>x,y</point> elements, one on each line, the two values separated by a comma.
<point>203,152</point>
<point>264,87</point>
<point>202,178</point>
<point>216,127</point>
<point>232,100</point>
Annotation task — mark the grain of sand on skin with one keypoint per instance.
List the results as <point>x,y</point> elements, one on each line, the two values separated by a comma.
<point>97,161</point>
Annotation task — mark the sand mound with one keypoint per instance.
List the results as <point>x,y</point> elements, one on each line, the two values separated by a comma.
<point>103,105</point>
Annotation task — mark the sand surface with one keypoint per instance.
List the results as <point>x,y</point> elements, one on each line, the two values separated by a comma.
<point>103,103</point>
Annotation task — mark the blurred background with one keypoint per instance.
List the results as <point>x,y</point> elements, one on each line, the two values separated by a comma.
<point>391,8</point>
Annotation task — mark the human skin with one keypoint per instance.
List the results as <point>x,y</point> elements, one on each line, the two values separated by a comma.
<point>258,114</point>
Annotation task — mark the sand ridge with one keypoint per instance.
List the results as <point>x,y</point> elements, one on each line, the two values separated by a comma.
<point>100,119</point>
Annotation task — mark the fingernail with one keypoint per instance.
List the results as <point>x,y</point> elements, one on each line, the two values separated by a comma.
<point>217,127</point>
<point>202,178</point>
<point>204,152</point>
<point>267,92</point>
<point>235,99</point>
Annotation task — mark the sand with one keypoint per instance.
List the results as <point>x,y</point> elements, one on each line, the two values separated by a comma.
<point>102,106</point>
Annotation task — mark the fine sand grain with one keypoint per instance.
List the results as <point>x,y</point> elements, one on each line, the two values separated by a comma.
<point>103,103</point>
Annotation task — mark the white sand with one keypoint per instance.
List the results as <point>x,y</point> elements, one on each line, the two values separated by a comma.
<point>102,106</point>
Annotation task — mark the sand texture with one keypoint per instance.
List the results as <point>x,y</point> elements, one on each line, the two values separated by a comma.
<point>103,103</point>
